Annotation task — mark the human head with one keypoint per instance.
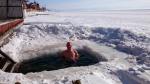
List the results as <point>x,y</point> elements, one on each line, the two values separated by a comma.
<point>68,45</point>
<point>17,83</point>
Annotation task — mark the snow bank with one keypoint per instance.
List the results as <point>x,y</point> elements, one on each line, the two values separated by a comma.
<point>12,78</point>
<point>37,36</point>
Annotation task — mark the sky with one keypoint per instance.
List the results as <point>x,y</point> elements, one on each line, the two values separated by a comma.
<point>95,4</point>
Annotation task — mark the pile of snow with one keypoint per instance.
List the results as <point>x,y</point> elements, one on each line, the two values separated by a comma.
<point>12,78</point>
<point>32,37</point>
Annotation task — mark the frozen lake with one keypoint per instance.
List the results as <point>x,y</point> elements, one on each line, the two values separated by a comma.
<point>120,36</point>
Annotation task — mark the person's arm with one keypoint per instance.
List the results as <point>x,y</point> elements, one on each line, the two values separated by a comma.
<point>76,54</point>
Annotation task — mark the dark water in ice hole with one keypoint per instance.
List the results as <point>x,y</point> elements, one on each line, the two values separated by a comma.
<point>53,62</point>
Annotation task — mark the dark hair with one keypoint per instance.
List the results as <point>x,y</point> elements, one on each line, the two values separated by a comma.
<point>76,82</point>
<point>17,83</point>
<point>68,43</point>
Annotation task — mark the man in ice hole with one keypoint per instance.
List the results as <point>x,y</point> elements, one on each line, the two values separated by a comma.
<point>70,55</point>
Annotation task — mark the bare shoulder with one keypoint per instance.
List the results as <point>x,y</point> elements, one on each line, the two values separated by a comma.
<point>75,50</point>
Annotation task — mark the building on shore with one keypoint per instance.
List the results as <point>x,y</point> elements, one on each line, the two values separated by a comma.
<point>32,6</point>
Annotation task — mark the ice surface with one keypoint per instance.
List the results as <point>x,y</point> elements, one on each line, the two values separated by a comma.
<point>123,37</point>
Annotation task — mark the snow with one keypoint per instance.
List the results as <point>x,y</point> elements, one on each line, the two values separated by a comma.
<point>11,78</point>
<point>122,37</point>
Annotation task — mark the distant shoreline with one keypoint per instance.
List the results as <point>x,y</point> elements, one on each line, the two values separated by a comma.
<point>96,10</point>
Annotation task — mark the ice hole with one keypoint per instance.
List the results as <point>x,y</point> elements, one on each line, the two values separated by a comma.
<point>50,62</point>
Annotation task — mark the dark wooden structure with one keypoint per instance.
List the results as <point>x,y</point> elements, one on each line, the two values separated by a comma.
<point>11,9</point>
<point>11,16</point>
